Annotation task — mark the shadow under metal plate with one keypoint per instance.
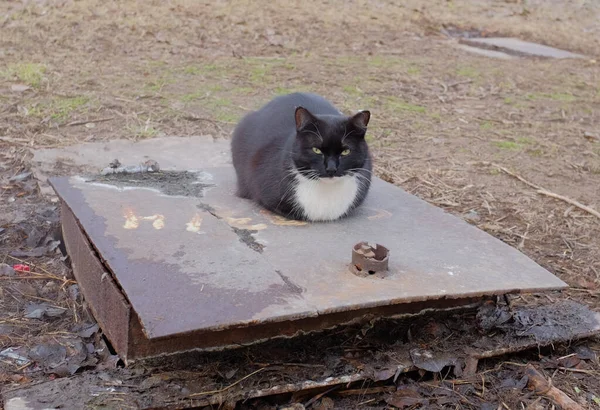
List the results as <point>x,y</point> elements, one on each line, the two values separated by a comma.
<point>179,262</point>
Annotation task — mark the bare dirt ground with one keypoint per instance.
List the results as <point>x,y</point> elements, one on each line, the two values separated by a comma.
<point>454,128</point>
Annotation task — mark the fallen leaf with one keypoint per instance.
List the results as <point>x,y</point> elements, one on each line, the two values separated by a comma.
<point>48,355</point>
<point>25,289</point>
<point>585,353</point>
<point>230,373</point>
<point>110,362</point>
<point>570,361</point>
<point>150,382</point>
<point>591,137</point>
<point>384,374</point>
<point>427,360</point>
<point>19,378</point>
<point>86,330</point>
<point>404,391</point>
<point>34,237</point>
<point>48,248</point>
<point>404,402</point>
<point>38,311</point>
<point>326,403</point>
<point>490,316</point>
<point>15,354</point>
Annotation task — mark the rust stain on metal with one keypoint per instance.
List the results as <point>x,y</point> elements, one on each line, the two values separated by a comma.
<point>368,259</point>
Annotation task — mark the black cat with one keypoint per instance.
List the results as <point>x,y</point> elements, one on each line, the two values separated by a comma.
<point>302,158</point>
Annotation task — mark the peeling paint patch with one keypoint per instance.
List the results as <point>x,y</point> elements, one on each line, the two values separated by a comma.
<point>132,221</point>
<point>194,224</point>
<point>280,220</point>
<point>243,223</point>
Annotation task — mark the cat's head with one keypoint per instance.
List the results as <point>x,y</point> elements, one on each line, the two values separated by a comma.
<point>330,146</point>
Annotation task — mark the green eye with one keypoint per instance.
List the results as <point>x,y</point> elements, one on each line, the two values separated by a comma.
<point>317,150</point>
<point>345,152</point>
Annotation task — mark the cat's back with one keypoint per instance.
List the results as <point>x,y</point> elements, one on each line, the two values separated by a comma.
<point>272,126</point>
<point>277,116</point>
<point>286,105</point>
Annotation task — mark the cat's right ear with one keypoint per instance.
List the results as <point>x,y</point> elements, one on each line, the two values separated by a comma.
<point>303,118</point>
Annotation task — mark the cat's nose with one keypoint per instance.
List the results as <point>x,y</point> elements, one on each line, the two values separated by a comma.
<point>331,167</point>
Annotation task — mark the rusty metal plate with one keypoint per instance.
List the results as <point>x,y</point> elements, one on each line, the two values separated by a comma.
<point>190,256</point>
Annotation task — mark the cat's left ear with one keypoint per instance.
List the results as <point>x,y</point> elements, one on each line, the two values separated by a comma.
<point>361,119</point>
<point>303,118</point>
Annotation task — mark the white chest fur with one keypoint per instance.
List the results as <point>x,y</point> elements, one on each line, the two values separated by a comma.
<point>325,199</point>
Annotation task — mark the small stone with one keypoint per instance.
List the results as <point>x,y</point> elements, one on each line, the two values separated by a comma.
<point>6,270</point>
<point>74,293</point>
<point>49,289</point>
<point>19,88</point>
<point>472,216</point>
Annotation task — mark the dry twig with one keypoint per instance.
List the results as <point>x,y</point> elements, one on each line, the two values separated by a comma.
<point>206,393</point>
<point>570,201</point>
<point>542,191</point>
<point>74,123</point>
<point>543,387</point>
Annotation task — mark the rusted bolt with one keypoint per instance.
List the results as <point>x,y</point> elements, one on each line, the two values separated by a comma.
<point>368,259</point>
